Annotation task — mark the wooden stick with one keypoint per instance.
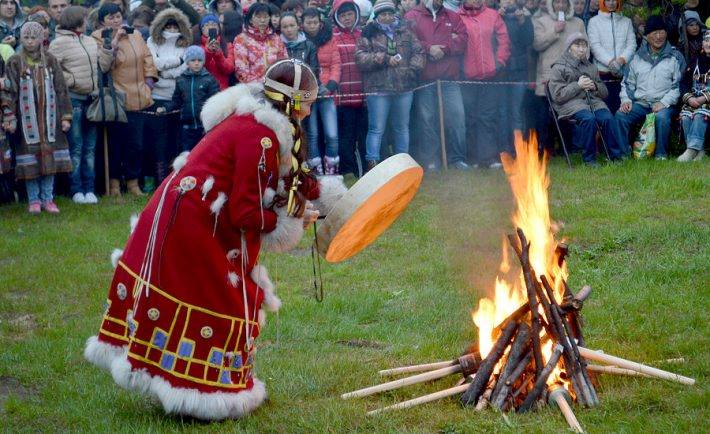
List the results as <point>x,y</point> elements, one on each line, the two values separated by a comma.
<point>520,344</point>
<point>616,371</point>
<point>498,400</point>
<point>422,399</point>
<point>484,399</point>
<point>627,364</point>
<point>417,368</point>
<point>559,396</point>
<point>442,130</point>
<point>541,381</point>
<point>480,381</point>
<point>402,382</point>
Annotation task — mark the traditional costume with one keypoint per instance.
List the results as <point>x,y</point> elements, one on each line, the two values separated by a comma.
<point>188,294</point>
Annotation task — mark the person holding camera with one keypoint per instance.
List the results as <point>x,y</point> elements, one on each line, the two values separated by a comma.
<point>80,57</point>
<point>134,74</point>
<point>390,57</point>
<point>169,38</point>
<point>11,19</point>
<point>219,52</point>
<point>578,93</point>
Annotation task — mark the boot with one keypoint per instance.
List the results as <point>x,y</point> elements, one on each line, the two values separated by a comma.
<point>331,165</point>
<point>133,188</point>
<point>114,187</point>
<point>688,155</point>
<point>315,164</point>
<point>700,156</point>
<point>371,164</point>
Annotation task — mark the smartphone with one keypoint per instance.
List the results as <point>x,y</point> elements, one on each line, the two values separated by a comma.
<point>106,33</point>
<point>560,16</point>
<point>212,34</point>
<point>397,57</point>
<point>129,30</point>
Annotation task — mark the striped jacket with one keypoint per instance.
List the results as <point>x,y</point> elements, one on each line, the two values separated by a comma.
<point>350,86</point>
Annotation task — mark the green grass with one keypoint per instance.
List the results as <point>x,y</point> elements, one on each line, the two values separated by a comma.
<point>639,234</point>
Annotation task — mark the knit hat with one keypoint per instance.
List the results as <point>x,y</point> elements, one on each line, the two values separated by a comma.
<point>209,18</point>
<point>575,37</point>
<point>194,52</point>
<point>382,6</point>
<point>32,29</point>
<point>653,23</point>
<point>107,9</point>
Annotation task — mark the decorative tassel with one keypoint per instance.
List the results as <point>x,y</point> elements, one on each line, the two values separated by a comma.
<point>207,186</point>
<point>180,161</point>
<point>232,254</point>
<point>216,207</point>
<point>116,256</point>
<point>233,278</point>
<point>134,222</point>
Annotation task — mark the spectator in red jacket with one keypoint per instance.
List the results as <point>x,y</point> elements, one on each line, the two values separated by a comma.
<point>352,117</point>
<point>219,54</point>
<point>487,53</point>
<point>443,37</point>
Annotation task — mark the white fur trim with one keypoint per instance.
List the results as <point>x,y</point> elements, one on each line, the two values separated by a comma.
<point>331,189</point>
<point>286,235</point>
<point>268,198</point>
<point>218,203</point>
<point>102,354</point>
<point>116,256</point>
<point>180,161</point>
<point>189,402</point>
<point>260,276</point>
<point>232,254</point>
<point>207,186</point>
<point>244,99</point>
<point>233,278</point>
<point>134,221</point>
<point>262,318</point>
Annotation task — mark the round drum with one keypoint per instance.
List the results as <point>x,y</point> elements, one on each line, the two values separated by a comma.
<point>371,205</point>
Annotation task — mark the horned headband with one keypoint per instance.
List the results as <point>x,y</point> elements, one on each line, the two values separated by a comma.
<point>292,92</point>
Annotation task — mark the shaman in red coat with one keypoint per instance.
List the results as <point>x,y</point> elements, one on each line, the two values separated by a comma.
<point>184,304</point>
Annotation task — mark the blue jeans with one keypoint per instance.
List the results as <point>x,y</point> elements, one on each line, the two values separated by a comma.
<point>40,189</point>
<point>636,116</point>
<point>325,109</point>
<point>380,108</point>
<point>694,129</point>
<point>585,133</point>
<point>426,108</point>
<point>82,146</point>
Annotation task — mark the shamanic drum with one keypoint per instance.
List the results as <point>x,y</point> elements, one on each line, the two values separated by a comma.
<point>369,207</point>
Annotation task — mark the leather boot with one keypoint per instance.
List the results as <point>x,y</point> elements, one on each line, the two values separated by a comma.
<point>114,187</point>
<point>133,188</point>
<point>332,165</point>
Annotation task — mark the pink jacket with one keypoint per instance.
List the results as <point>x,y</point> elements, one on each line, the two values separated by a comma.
<point>482,58</point>
<point>254,52</point>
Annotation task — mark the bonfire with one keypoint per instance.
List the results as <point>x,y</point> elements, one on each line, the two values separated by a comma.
<point>530,349</point>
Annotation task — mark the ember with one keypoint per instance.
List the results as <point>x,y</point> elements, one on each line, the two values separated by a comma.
<point>530,347</point>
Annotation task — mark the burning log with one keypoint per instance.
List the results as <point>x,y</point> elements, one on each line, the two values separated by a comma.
<point>500,398</point>
<point>541,382</point>
<point>558,395</point>
<point>480,381</point>
<point>627,364</point>
<point>575,302</point>
<point>517,352</point>
<point>574,316</point>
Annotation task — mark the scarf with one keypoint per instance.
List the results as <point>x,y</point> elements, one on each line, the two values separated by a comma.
<point>290,45</point>
<point>389,29</point>
<point>34,67</point>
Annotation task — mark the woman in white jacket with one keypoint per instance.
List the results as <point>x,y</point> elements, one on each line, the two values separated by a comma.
<point>613,43</point>
<point>170,36</point>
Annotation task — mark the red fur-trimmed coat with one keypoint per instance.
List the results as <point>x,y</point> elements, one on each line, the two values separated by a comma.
<point>185,339</point>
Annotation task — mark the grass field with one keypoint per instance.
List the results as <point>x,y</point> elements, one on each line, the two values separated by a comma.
<point>639,235</point>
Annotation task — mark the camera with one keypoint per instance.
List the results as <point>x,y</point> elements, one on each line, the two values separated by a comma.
<point>107,33</point>
<point>129,30</point>
<point>212,34</point>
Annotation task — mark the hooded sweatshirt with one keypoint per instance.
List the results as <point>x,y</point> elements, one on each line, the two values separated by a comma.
<point>167,50</point>
<point>488,46</point>
<point>346,40</point>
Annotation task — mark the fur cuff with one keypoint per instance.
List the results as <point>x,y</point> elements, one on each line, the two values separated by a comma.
<point>189,402</point>
<point>260,276</point>
<point>102,354</point>
<point>285,236</point>
<point>331,189</point>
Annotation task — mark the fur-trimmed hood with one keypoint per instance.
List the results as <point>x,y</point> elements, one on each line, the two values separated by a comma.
<point>245,99</point>
<point>568,14</point>
<point>158,25</point>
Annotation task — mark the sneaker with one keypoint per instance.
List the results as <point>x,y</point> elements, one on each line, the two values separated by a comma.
<point>688,155</point>
<point>432,168</point>
<point>460,165</point>
<point>591,163</point>
<point>50,207</point>
<point>496,165</point>
<point>661,158</point>
<point>78,198</point>
<point>700,156</point>
<point>90,198</point>
<point>148,185</point>
<point>34,208</point>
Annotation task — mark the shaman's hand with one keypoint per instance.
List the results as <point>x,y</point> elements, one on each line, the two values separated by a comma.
<point>66,125</point>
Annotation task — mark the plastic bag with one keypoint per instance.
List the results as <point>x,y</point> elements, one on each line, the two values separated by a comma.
<point>645,143</point>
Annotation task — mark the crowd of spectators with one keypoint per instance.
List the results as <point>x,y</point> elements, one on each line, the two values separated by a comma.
<point>391,74</point>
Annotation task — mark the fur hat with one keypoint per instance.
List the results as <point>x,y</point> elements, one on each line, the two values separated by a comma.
<point>654,23</point>
<point>382,6</point>
<point>194,52</point>
<point>32,29</point>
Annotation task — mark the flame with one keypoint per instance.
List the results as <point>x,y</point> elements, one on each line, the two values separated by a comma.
<point>527,175</point>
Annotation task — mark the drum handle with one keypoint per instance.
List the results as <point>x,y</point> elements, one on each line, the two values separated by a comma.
<point>315,258</point>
